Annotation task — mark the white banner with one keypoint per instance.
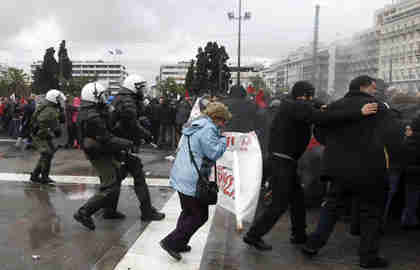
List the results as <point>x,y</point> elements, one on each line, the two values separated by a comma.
<point>239,174</point>
<point>195,111</point>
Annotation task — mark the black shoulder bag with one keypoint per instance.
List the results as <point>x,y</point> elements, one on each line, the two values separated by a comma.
<point>206,190</point>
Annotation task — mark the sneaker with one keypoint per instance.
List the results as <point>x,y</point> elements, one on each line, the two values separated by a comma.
<point>152,215</point>
<point>378,262</point>
<point>174,254</point>
<point>85,220</point>
<point>113,215</point>
<point>258,243</point>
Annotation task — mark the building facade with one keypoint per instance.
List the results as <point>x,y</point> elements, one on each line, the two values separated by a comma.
<point>112,73</point>
<point>398,30</point>
<point>176,71</point>
<point>297,66</point>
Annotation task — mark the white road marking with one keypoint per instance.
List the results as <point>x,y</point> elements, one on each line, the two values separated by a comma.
<point>146,252</point>
<point>23,177</point>
<point>7,140</point>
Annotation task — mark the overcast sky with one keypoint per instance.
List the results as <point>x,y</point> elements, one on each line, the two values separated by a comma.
<point>151,33</point>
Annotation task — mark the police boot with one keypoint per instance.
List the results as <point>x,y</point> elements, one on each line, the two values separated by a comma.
<point>111,212</point>
<point>45,174</point>
<point>35,175</point>
<point>83,215</point>
<point>85,219</point>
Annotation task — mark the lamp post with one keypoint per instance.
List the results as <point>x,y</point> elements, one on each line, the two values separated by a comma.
<point>247,16</point>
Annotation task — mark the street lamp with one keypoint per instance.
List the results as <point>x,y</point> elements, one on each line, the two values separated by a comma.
<point>247,16</point>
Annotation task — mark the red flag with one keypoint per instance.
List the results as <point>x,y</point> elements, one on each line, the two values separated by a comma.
<point>187,96</point>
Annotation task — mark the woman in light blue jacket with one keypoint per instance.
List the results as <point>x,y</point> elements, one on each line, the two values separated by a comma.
<point>206,141</point>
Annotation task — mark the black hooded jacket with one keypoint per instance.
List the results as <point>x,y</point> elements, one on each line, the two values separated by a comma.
<point>291,128</point>
<point>244,112</point>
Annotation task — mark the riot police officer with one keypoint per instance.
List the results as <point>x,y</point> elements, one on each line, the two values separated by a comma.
<point>127,105</point>
<point>100,147</point>
<point>44,126</point>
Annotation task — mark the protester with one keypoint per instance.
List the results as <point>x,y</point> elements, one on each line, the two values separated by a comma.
<point>244,112</point>
<point>289,136</point>
<point>203,135</point>
<point>182,113</point>
<point>409,218</point>
<point>354,162</point>
<point>166,131</point>
<point>72,110</point>
<point>25,132</point>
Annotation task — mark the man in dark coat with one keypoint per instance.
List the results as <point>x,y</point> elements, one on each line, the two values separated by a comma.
<point>244,112</point>
<point>290,134</point>
<point>354,162</point>
<point>166,130</point>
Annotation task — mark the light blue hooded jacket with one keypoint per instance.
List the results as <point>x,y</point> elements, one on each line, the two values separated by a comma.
<point>205,140</point>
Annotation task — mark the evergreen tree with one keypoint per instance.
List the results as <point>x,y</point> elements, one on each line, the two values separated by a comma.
<point>47,77</point>
<point>65,63</point>
<point>211,72</point>
<point>201,74</point>
<point>189,78</point>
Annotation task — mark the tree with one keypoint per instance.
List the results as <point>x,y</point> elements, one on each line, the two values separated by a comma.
<point>189,78</point>
<point>15,81</point>
<point>74,86</point>
<point>169,88</point>
<point>65,64</point>
<point>52,73</point>
<point>201,73</point>
<point>211,71</point>
<point>46,77</point>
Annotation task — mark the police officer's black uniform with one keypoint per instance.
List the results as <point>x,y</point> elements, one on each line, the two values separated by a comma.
<point>125,123</point>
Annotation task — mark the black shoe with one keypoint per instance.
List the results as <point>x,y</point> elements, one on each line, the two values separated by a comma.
<point>85,220</point>
<point>152,215</point>
<point>36,179</point>
<point>47,180</point>
<point>298,239</point>
<point>378,262</point>
<point>187,248</point>
<point>113,215</point>
<point>174,254</point>
<point>309,251</point>
<point>258,243</point>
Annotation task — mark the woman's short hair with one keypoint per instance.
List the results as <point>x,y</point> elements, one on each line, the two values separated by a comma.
<point>217,110</point>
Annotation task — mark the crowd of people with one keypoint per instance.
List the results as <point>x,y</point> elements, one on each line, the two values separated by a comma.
<point>371,143</point>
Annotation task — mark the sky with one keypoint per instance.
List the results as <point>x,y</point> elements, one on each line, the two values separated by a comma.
<point>152,33</point>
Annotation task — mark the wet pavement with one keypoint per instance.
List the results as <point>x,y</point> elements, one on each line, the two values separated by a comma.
<point>37,220</point>
<point>73,161</point>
